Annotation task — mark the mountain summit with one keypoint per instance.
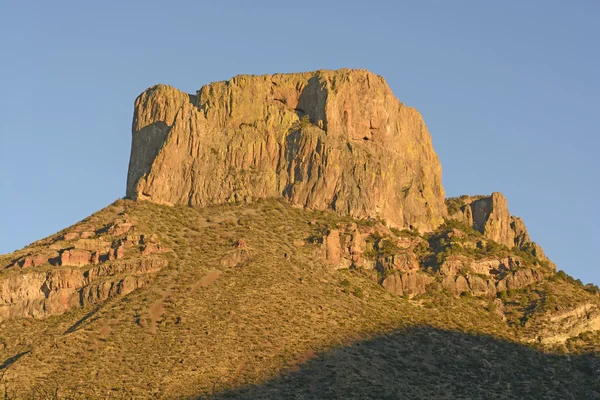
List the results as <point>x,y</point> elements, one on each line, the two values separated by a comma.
<point>287,236</point>
<point>335,140</point>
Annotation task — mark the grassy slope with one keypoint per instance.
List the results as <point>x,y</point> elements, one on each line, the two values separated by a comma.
<point>283,312</point>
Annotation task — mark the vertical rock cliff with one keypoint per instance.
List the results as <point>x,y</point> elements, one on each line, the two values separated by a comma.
<point>324,140</point>
<point>490,216</point>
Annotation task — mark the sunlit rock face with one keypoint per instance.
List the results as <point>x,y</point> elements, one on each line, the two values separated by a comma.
<point>323,140</point>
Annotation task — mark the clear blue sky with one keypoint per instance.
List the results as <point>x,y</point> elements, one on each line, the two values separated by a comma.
<point>509,90</point>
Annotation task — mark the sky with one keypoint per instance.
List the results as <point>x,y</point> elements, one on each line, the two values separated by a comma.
<point>508,89</point>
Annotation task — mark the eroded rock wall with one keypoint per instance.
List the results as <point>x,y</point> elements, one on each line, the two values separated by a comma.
<point>490,216</point>
<point>324,139</point>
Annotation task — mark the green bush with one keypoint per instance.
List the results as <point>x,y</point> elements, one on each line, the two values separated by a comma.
<point>591,288</point>
<point>358,292</point>
<point>454,204</point>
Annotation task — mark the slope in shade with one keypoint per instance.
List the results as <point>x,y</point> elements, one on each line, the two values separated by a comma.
<point>428,363</point>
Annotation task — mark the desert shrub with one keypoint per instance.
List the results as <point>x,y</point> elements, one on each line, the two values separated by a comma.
<point>562,274</point>
<point>387,247</point>
<point>591,288</point>
<point>455,204</point>
<point>358,292</point>
<point>523,300</point>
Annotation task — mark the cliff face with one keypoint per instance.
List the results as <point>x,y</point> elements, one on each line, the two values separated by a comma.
<point>86,264</point>
<point>324,140</point>
<point>490,216</point>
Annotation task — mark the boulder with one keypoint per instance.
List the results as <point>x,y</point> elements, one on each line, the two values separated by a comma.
<point>75,257</point>
<point>410,283</point>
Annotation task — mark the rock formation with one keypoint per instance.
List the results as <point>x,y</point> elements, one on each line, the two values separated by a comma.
<point>396,258</point>
<point>167,298</point>
<point>324,140</point>
<point>81,267</point>
<point>490,216</point>
<point>559,327</point>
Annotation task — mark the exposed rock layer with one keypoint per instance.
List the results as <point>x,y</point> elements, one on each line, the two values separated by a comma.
<point>79,268</point>
<point>324,139</point>
<point>395,258</point>
<point>39,294</point>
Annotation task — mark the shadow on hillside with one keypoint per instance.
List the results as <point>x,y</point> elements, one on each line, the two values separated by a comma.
<point>428,363</point>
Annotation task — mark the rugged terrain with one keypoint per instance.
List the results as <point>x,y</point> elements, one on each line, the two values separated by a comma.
<point>269,250</point>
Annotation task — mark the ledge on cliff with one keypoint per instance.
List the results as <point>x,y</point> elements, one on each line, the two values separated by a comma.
<point>323,140</point>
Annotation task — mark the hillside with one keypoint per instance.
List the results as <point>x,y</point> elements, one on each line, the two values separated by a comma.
<point>268,250</point>
<point>247,298</point>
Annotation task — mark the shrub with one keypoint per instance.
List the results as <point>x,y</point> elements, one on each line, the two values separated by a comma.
<point>387,248</point>
<point>358,292</point>
<point>454,204</point>
<point>591,288</point>
<point>523,301</point>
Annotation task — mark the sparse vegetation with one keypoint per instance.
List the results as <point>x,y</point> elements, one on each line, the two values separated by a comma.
<point>245,325</point>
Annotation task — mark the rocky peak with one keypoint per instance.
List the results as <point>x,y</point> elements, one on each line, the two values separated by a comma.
<point>490,216</point>
<point>323,140</point>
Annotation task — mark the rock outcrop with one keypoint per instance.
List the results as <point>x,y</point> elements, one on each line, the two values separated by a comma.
<point>488,276</point>
<point>79,268</point>
<point>410,283</point>
<point>557,327</point>
<point>324,140</point>
<point>490,216</point>
<point>41,294</point>
<point>404,263</point>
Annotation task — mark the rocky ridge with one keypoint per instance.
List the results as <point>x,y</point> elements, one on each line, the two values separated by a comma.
<point>409,263</point>
<point>490,216</point>
<point>82,265</point>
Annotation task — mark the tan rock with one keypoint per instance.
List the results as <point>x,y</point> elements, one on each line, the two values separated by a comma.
<point>560,326</point>
<point>333,251</point>
<point>155,247</point>
<point>492,218</point>
<point>75,257</point>
<point>519,279</point>
<point>87,234</point>
<point>410,283</point>
<point>455,284</point>
<point>521,236</point>
<point>236,258</point>
<point>35,260</point>
<point>360,151</point>
<point>480,287</point>
<point>71,236</point>
<point>120,228</point>
<point>453,264</point>
<point>403,261</point>
<point>119,252</point>
<point>41,294</point>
